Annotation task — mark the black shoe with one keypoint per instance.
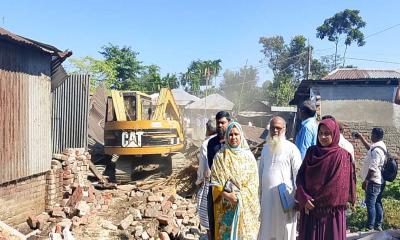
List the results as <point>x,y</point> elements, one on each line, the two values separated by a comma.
<point>378,228</point>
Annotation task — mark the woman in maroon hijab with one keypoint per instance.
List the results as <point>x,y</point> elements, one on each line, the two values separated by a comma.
<point>325,184</point>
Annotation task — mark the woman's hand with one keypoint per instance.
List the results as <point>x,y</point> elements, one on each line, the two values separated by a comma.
<point>207,173</point>
<point>309,206</point>
<point>231,197</point>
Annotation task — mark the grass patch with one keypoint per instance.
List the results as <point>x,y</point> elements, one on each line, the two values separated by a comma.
<point>391,206</point>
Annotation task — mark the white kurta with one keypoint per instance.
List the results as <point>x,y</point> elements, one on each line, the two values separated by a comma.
<point>273,170</point>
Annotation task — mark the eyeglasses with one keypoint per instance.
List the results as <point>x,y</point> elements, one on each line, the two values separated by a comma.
<point>273,128</point>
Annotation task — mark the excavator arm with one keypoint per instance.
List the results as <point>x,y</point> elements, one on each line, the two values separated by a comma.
<point>167,108</point>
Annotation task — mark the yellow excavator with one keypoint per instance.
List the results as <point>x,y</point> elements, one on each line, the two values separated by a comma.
<point>136,130</point>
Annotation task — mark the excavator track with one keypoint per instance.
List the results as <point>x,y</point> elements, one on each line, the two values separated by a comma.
<point>129,168</point>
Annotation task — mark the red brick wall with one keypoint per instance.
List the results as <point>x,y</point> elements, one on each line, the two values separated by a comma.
<point>21,198</point>
<point>391,138</point>
<point>41,192</point>
<point>54,188</point>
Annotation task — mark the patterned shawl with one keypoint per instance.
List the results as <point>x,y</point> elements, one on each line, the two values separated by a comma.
<point>238,165</point>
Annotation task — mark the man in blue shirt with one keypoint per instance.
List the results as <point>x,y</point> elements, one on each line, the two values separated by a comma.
<point>307,136</point>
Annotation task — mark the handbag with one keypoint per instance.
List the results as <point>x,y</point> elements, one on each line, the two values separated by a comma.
<point>286,194</point>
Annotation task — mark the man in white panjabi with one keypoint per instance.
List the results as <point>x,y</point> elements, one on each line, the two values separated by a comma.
<point>280,161</point>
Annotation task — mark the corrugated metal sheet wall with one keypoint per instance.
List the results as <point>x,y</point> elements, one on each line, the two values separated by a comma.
<point>97,115</point>
<point>25,147</point>
<point>70,114</point>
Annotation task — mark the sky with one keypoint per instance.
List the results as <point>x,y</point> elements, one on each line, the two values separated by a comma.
<point>172,33</point>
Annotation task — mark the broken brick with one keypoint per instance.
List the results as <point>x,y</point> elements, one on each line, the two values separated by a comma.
<point>76,197</point>
<point>155,198</point>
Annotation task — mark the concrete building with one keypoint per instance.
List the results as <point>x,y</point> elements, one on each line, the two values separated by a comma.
<point>359,98</point>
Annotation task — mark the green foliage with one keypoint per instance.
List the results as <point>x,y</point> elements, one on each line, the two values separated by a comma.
<point>392,189</point>
<point>289,64</point>
<point>391,213</point>
<point>347,22</point>
<point>127,66</point>
<point>241,87</point>
<point>356,221</point>
<point>121,70</point>
<point>290,59</point>
<point>153,82</point>
<point>281,90</point>
<point>198,73</point>
<point>99,70</point>
<point>275,52</point>
<point>391,205</point>
<point>318,69</point>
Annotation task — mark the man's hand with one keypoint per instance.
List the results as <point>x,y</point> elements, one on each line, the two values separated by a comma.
<point>309,206</point>
<point>231,197</point>
<point>364,185</point>
<point>356,135</point>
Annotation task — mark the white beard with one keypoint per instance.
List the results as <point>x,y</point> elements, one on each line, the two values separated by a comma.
<point>276,144</point>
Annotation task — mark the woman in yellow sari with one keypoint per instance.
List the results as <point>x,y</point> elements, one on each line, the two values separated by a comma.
<point>234,177</point>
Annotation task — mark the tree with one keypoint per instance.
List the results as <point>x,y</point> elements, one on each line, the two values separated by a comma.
<point>347,22</point>
<point>289,64</point>
<point>170,80</point>
<point>279,91</point>
<point>198,73</point>
<point>128,68</point>
<point>100,71</point>
<point>275,52</point>
<point>318,69</point>
<point>120,69</point>
<point>241,87</point>
<point>153,82</point>
<point>290,59</point>
<point>297,62</point>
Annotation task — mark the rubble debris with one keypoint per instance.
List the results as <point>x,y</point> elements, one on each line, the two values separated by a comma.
<point>148,209</point>
<point>71,198</point>
<point>37,222</point>
<point>126,222</point>
<point>108,225</point>
<point>10,232</point>
<point>151,214</point>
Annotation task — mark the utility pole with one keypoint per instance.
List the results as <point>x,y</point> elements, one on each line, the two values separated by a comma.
<point>207,75</point>
<point>241,91</point>
<point>309,61</point>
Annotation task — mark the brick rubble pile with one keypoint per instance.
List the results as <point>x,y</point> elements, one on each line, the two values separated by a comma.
<point>149,211</point>
<point>71,199</point>
<point>158,213</point>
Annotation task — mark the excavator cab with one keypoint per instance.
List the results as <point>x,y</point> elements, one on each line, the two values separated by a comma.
<point>135,128</point>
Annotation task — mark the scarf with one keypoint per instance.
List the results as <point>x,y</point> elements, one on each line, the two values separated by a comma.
<point>327,174</point>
